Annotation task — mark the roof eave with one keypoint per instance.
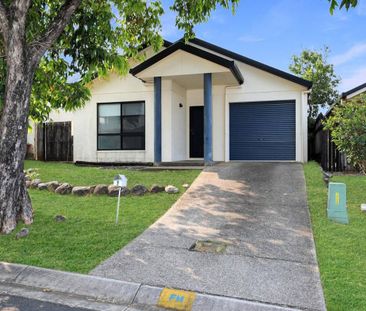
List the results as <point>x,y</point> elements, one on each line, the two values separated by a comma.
<point>354,90</point>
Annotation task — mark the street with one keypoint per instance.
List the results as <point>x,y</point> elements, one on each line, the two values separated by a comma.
<point>15,303</point>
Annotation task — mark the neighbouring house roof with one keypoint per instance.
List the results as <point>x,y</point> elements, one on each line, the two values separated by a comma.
<point>180,45</point>
<point>357,89</point>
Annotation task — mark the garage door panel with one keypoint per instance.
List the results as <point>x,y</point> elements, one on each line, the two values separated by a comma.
<point>272,151</point>
<point>262,131</point>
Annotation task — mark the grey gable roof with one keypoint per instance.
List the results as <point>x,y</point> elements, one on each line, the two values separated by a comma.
<point>180,45</point>
<point>209,56</point>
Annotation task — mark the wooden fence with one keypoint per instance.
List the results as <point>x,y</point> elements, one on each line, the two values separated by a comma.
<point>54,142</point>
<point>325,151</point>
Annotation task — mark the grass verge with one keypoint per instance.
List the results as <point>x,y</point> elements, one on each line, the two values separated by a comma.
<point>341,249</point>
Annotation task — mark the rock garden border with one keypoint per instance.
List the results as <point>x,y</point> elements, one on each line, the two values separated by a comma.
<point>33,182</point>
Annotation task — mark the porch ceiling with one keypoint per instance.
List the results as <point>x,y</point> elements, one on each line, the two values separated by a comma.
<point>196,81</point>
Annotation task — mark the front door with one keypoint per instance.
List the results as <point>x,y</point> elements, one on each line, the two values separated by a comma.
<point>196,132</point>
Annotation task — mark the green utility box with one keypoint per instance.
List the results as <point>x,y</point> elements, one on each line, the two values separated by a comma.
<point>337,203</point>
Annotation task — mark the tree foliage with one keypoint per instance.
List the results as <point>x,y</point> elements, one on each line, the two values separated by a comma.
<point>313,66</point>
<point>348,126</point>
<point>101,36</point>
<point>342,4</point>
<point>50,50</point>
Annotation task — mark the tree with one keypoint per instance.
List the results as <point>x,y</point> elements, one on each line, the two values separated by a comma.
<point>45,44</point>
<point>342,4</point>
<point>348,126</point>
<point>313,66</point>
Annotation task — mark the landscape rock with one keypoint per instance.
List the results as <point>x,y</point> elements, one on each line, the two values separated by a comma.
<point>125,191</point>
<point>27,178</point>
<point>60,218</point>
<point>113,191</point>
<point>28,183</point>
<point>186,186</point>
<point>100,189</point>
<point>81,191</point>
<point>139,190</point>
<point>91,189</point>
<point>42,186</point>
<point>34,184</point>
<point>157,188</point>
<point>64,188</point>
<point>171,189</point>
<point>22,233</point>
<point>52,186</point>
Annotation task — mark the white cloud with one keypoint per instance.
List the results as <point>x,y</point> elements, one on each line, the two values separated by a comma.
<point>355,51</point>
<point>356,78</point>
<point>250,39</point>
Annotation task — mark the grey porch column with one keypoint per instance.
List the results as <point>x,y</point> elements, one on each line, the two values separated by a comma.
<point>208,118</point>
<point>157,126</point>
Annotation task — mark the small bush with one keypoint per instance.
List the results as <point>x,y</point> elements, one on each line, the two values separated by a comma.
<point>348,126</point>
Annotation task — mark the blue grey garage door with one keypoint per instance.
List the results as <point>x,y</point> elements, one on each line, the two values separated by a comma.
<point>263,131</point>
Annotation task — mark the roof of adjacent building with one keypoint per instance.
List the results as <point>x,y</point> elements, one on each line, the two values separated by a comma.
<point>181,44</point>
<point>354,90</point>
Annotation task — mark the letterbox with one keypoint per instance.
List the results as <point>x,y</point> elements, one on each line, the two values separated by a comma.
<point>337,203</point>
<point>120,180</point>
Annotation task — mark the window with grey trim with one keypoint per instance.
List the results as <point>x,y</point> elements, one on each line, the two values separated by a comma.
<point>121,126</point>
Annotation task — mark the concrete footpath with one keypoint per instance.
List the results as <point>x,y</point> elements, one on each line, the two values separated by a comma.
<point>96,293</point>
<point>258,211</point>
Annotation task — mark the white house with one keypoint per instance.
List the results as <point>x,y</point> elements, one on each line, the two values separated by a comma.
<point>193,101</point>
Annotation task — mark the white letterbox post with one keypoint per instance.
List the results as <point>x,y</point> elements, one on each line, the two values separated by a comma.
<point>120,181</point>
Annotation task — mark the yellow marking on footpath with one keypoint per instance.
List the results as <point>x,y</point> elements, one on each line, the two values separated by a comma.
<point>337,198</point>
<point>176,299</point>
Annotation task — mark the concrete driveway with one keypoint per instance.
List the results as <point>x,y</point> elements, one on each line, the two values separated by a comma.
<point>259,211</point>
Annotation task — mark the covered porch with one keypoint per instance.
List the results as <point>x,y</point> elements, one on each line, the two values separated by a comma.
<point>189,96</point>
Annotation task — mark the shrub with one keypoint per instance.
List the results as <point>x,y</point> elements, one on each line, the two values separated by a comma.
<point>348,127</point>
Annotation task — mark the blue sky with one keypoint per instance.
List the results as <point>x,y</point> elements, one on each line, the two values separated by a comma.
<point>271,31</point>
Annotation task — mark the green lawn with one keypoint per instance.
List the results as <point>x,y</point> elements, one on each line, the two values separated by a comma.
<point>341,249</point>
<point>89,235</point>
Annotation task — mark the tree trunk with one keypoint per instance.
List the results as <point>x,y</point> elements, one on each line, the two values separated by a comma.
<point>15,202</point>
<point>22,59</point>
